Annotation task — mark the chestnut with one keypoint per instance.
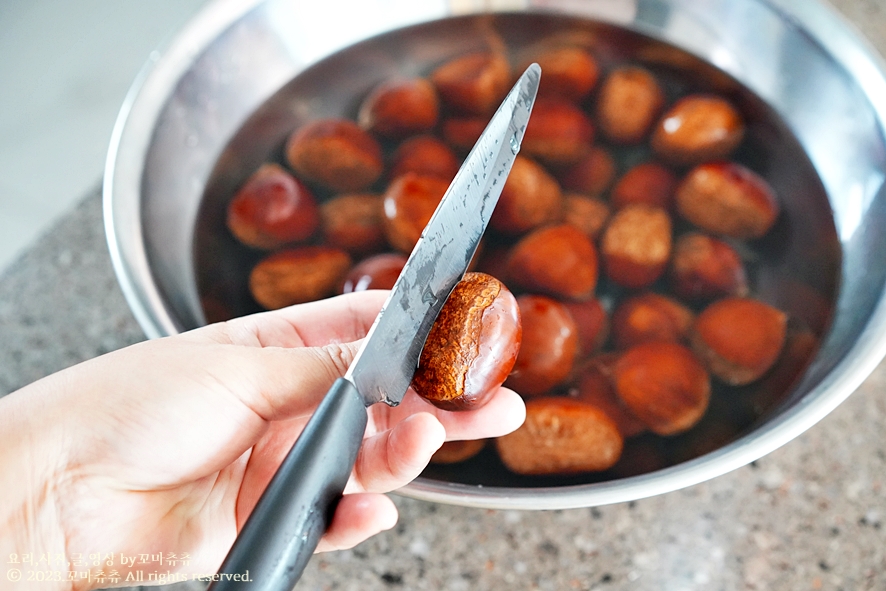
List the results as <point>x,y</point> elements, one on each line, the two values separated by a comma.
<point>591,174</point>
<point>271,209</point>
<point>353,222</point>
<point>703,267</point>
<point>595,387</point>
<point>636,245</point>
<point>424,155</point>
<point>472,345</point>
<point>297,275</point>
<point>729,199</point>
<point>647,183</point>
<point>549,347</point>
<point>473,83</point>
<point>463,132</point>
<point>400,107</point>
<point>664,385</point>
<point>556,260</point>
<point>335,153</point>
<point>409,203</point>
<point>376,272</point>
<point>558,133</point>
<point>530,198</point>
<point>628,103</point>
<point>569,72</point>
<point>696,129</point>
<point>588,214</point>
<point>739,339</point>
<point>453,452</point>
<point>561,436</point>
<point>592,323</point>
<point>647,317</point>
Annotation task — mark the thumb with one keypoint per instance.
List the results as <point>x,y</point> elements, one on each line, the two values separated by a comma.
<point>290,382</point>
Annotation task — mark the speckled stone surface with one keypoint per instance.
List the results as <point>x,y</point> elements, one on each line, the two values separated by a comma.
<point>808,516</point>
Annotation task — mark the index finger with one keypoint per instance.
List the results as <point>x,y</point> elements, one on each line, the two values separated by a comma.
<point>340,319</point>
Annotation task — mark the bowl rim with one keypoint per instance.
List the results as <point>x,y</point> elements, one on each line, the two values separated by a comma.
<point>131,137</point>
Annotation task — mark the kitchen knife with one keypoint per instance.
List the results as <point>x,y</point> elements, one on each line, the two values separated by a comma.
<point>285,527</point>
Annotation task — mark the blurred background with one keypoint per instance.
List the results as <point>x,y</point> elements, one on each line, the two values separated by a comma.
<point>64,73</point>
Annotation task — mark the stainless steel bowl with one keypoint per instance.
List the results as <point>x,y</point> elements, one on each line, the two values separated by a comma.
<point>235,66</point>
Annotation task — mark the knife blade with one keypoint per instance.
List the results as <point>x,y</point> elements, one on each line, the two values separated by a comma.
<point>385,364</point>
<point>279,537</point>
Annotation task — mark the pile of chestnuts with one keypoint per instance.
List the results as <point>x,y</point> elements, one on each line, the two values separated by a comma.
<point>609,297</point>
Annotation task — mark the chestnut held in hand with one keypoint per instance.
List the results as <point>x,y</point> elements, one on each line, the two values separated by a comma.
<point>472,346</point>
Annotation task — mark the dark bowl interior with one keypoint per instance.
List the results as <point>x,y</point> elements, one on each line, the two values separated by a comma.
<point>795,267</point>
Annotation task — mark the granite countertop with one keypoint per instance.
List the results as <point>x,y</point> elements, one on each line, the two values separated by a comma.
<point>807,516</point>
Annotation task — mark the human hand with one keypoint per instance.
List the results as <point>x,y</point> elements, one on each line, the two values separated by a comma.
<point>167,445</point>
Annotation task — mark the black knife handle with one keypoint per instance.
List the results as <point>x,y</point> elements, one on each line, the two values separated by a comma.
<point>292,514</point>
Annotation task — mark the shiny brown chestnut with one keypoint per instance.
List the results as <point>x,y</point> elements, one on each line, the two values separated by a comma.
<point>298,275</point>
<point>588,214</point>
<point>727,198</point>
<point>561,436</point>
<point>591,174</point>
<point>739,339</point>
<point>592,323</point>
<point>400,107</point>
<point>272,209</point>
<point>376,272</point>
<point>472,346</point>
<point>409,203</point>
<point>473,83</point>
<point>648,183</point>
<point>703,267</point>
<point>549,347</point>
<point>425,155</point>
<point>569,72</point>
<point>698,128</point>
<point>628,102</point>
<point>335,153</point>
<point>648,317</point>
<point>353,222</point>
<point>636,245</point>
<point>595,387</point>
<point>556,260</point>
<point>664,385</point>
<point>558,133</point>
<point>530,198</point>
